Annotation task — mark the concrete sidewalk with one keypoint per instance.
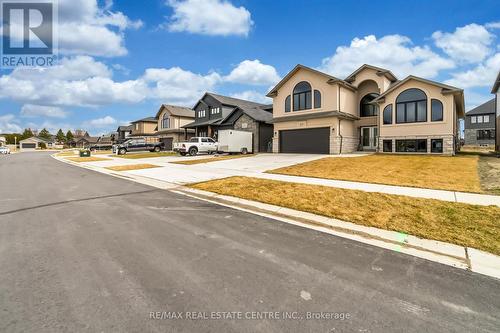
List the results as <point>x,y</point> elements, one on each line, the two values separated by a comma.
<point>256,166</point>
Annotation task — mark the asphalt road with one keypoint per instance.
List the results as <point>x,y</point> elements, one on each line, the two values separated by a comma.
<point>82,251</point>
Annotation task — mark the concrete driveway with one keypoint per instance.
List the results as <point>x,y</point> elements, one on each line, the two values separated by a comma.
<point>184,174</point>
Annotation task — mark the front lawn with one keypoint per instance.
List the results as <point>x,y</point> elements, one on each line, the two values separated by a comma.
<point>210,159</point>
<point>132,167</point>
<point>489,174</point>
<point>456,173</point>
<point>133,156</point>
<point>457,223</point>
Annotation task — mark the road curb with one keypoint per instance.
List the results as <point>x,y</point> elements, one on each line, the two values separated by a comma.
<point>445,253</point>
<point>441,252</point>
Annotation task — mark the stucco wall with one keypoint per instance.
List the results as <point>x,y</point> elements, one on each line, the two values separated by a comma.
<point>445,127</point>
<point>318,82</point>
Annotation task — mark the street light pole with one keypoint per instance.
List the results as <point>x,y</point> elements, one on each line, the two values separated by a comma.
<point>15,143</point>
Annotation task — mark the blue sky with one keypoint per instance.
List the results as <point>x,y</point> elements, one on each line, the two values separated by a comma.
<point>120,60</point>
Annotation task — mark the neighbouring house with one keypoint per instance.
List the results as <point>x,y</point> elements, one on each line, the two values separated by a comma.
<point>314,112</point>
<point>123,132</point>
<point>214,112</point>
<point>144,127</point>
<point>85,141</point>
<point>479,127</point>
<point>36,142</point>
<point>3,141</point>
<point>496,90</point>
<point>170,119</point>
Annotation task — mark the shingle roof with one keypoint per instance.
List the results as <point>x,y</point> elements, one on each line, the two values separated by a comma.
<point>236,101</point>
<point>146,120</point>
<point>258,114</point>
<point>125,128</point>
<point>175,110</point>
<point>330,79</point>
<point>488,107</point>
<point>380,71</point>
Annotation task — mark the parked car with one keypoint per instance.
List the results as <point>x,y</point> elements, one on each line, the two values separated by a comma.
<point>97,147</point>
<point>138,144</point>
<point>232,141</point>
<point>4,150</point>
<point>196,145</point>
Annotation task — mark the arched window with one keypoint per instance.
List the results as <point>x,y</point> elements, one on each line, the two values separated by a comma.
<point>287,104</point>
<point>317,99</point>
<point>302,96</point>
<point>436,110</point>
<point>387,114</point>
<point>411,106</point>
<point>165,121</point>
<point>367,109</point>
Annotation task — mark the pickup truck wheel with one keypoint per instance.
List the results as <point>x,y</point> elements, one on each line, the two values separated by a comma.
<point>122,151</point>
<point>183,154</point>
<point>157,149</point>
<point>244,151</point>
<point>193,151</point>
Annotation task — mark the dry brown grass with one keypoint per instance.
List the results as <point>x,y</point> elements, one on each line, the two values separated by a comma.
<point>102,152</point>
<point>489,174</point>
<point>133,156</point>
<point>87,159</point>
<point>132,167</point>
<point>461,224</point>
<point>210,159</point>
<point>457,173</point>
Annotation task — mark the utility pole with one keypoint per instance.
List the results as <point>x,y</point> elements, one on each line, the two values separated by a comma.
<point>15,143</point>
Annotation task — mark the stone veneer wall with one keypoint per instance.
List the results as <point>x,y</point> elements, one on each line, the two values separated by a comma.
<point>448,143</point>
<point>247,124</point>
<point>470,136</point>
<point>349,144</point>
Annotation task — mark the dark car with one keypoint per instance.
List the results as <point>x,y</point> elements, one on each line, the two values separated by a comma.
<point>138,144</point>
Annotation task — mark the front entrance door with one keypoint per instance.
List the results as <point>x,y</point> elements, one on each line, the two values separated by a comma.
<point>369,137</point>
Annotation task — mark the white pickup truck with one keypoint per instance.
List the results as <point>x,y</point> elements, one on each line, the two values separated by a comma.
<point>196,145</point>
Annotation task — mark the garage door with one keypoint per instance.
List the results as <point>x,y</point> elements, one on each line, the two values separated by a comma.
<point>28,145</point>
<point>167,143</point>
<point>305,141</point>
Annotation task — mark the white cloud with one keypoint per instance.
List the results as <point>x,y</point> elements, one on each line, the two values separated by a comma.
<point>252,95</point>
<point>209,17</point>
<point>100,122</point>
<point>253,72</point>
<point>85,28</point>
<point>483,75</point>
<point>177,85</point>
<point>82,81</point>
<point>394,52</point>
<point>31,110</point>
<point>468,44</point>
<point>9,124</point>
<point>493,25</point>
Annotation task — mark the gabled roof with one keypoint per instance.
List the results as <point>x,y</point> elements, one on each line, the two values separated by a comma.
<point>380,71</point>
<point>488,107</point>
<point>125,128</point>
<point>89,139</point>
<point>446,89</point>
<point>180,111</point>
<point>146,120</point>
<point>230,101</point>
<point>330,79</point>
<point>496,85</point>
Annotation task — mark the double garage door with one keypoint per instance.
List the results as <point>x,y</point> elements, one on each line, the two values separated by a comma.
<point>28,145</point>
<point>305,141</point>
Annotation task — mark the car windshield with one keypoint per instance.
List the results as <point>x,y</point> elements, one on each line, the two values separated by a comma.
<point>193,140</point>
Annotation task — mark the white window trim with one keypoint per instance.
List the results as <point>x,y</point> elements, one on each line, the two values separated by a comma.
<point>473,119</point>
